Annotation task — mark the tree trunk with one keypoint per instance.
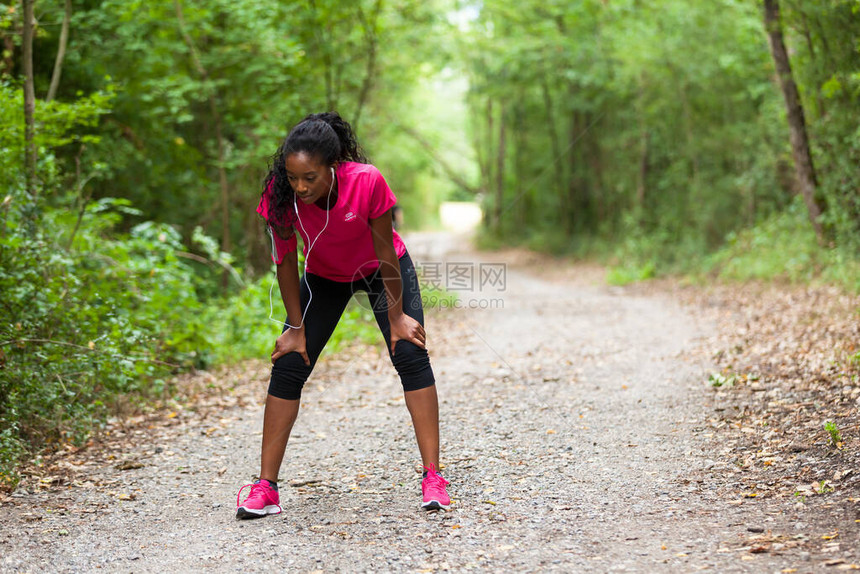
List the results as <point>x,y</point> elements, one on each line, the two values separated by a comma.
<point>644,137</point>
<point>558,173</point>
<point>804,168</point>
<point>500,173</point>
<point>524,209</point>
<point>688,132</point>
<point>594,154</point>
<point>483,160</point>
<point>488,164</point>
<point>226,244</point>
<point>642,178</point>
<point>577,190</point>
<point>29,101</point>
<point>61,53</point>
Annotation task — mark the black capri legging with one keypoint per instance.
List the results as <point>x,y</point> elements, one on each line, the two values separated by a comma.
<point>289,372</point>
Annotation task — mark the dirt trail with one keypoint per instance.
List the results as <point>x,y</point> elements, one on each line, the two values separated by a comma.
<point>573,417</point>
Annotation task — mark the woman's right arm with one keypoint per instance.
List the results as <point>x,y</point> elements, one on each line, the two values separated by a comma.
<point>293,339</point>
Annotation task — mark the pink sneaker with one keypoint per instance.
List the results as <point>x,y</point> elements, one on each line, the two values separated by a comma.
<point>433,487</point>
<point>262,500</point>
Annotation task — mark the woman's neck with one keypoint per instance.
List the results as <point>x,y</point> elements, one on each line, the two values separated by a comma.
<point>328,202</point>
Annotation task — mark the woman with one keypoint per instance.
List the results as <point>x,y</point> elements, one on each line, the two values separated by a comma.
<point>323,187</point>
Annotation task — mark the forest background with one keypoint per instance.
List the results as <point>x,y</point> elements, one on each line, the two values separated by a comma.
<point>719,140</point>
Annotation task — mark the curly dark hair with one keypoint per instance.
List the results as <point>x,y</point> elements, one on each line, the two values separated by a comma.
<point>326,136</point>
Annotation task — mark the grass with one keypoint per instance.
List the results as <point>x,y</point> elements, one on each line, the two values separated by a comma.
<point>784,248</point>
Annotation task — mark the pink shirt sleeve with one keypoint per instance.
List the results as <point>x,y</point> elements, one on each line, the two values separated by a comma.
<point>381,197</point>
<point>282,246</point>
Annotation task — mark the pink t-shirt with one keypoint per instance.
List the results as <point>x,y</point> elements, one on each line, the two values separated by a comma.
<point>344,251</point>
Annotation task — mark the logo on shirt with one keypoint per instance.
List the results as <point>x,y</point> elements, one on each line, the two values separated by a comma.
<point>349,216</point>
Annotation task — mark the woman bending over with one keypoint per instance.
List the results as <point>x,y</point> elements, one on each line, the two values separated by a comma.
<point>322,187</point>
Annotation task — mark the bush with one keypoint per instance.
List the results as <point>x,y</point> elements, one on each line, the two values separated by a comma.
<point>784,247</point>
<point>91,323</point>
<point>638,255</point>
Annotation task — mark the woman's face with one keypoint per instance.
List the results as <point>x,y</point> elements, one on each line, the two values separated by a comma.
<point>311,179</point>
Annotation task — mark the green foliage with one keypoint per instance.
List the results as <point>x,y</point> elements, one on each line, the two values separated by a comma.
<point>12,451</point>
<point>783,247</point>
<point>92,319</point>
<point>239,327</point>
<point>92,327</point>
<point>60,124</point>
<point>721,380</point>
<point>826,57</point>
<point>630,274</point>
<point>833,431</point>
<point>179,82</point>
<point>437,297</point>
<point>356,324</point>
<point>622,108</point>
<point>218,87</point>
<point>657,129</point>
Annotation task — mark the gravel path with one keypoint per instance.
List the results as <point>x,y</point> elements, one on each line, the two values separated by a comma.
<point>572,436</point>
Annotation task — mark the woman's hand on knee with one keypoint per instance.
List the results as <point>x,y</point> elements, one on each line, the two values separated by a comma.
<point>404,327</point>
<point>291,341</point>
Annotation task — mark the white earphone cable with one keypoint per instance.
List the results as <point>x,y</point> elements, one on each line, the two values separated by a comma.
<point>307,256</point>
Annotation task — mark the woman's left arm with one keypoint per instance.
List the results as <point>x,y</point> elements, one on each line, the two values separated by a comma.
<point>402,325</point>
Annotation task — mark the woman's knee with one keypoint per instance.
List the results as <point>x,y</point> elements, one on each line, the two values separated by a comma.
<point>289,374</point>
<point>413,365</point>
